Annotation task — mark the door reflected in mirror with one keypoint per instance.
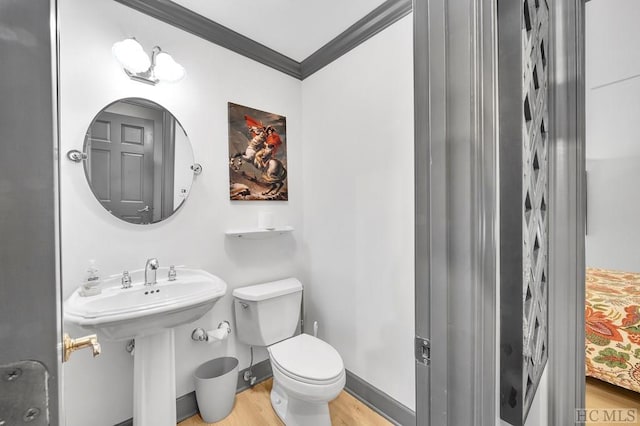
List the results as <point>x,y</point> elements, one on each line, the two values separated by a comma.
<point>139,161</point>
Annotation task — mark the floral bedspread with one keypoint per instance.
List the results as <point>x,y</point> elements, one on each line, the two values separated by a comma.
<point>612,316</point>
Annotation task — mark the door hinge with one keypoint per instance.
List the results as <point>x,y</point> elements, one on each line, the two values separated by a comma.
<point>423,350</point>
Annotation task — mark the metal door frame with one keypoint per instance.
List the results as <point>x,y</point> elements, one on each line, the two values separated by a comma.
<point>31,292</point>
<point>455,72</point>
<point>55,81</point>
<point>567,188</point>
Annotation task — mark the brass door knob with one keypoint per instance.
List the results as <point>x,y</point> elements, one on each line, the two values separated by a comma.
<point>72,345</point>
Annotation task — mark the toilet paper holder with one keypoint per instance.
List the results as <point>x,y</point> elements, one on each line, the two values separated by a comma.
<point>221,333</point>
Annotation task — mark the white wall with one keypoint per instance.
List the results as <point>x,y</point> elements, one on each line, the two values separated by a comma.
<point>613,126</point>
<point>359,223</point>
<point>612,77</point>
<point>611,35</point>
<point>612,214</point>
<point>99,391</point>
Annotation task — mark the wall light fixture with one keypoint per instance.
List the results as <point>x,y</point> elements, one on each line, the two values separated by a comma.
<point>161,67</point>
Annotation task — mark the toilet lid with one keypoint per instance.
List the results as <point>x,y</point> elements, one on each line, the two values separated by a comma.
<point>307,357</point>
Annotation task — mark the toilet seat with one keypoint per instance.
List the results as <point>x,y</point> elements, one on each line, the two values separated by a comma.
<point>307,359</point>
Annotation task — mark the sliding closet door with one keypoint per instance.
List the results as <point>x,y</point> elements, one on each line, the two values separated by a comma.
<point>29,365</point>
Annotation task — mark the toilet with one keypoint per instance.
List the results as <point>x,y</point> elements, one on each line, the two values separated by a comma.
<point>307,372</point>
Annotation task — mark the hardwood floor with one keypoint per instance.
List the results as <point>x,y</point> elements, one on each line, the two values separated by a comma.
<point>601,395</point>
<point>253,407</point>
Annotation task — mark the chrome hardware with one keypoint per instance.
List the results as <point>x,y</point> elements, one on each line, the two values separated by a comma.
<point>131,347</point>
<point>145,209</point>
<point>172,273</point>
<point>248,374</point>
<point>151,266</point>
<point>244,305</point>
<point>200,334</point>
<point>423,350</point>
<point>249,377</point>
<point>76,156</point>
<point>197,168</point>
<point>226,325</point>
<point>72,345</point>
<point>126,279</point>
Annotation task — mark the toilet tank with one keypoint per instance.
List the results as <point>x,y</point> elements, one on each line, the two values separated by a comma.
<point>267,313</point>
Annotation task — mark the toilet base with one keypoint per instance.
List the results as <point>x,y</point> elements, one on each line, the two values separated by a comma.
<point>295,412</point>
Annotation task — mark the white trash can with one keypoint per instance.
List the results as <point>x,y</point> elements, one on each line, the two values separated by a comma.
<point>216,388</point>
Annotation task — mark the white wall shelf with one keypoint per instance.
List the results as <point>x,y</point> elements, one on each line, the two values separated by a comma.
<point>258,233</point>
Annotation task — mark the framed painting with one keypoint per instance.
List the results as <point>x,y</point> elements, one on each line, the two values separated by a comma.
<point>257,154</point>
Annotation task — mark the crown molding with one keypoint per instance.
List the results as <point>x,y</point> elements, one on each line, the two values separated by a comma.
<point>191,22</point>
<point>376,21</point>
<point>187,20</point>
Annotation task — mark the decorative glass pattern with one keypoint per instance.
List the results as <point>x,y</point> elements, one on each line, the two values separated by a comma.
<point>535,187</point>
<point>523,39</point>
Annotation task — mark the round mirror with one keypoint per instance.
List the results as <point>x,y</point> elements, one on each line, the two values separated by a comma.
<point>139,161</point>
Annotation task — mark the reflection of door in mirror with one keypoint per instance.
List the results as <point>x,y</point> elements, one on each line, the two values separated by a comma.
<point>125,143</point>
<point>121,168</point>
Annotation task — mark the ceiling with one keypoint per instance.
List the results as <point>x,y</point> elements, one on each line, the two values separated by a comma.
<point>295,28</point>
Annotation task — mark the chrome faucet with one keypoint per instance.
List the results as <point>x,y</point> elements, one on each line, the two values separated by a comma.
<point>150,271</point>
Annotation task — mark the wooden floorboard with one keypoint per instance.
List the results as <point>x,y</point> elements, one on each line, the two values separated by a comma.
<point>253,407</point>
<point>601,395</point>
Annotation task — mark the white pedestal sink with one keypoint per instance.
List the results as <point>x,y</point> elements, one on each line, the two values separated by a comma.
<point>148,315</point>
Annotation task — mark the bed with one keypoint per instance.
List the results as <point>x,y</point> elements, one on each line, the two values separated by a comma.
<point>612,316</point>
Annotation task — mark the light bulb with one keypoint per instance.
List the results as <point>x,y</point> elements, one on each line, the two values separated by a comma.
<point>167,69</point>
<point>131,55</point>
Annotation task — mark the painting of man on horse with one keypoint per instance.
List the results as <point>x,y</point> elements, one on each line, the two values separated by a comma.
<point>257,154</point>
